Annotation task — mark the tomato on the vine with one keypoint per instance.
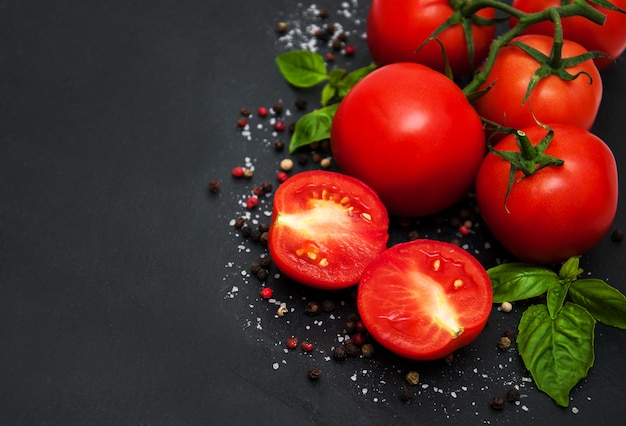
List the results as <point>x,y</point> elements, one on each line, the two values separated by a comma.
<point>395,29</point>
<point>553,100</point>
<point>410,133</point>
<point>326,227</point>
<point>609,38</point>
<point>424,299</point>
<point>559,211</point>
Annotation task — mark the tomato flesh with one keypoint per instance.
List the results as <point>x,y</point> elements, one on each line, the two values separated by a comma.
<point>326,227</point>
<point>424,299</point>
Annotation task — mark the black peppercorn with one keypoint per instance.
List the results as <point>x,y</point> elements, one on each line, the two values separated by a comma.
<point>350,327</point>
<point>278,108</point>
<point>352,350</point>
<point>512,395</point>
<point>266,187</point>
<point>413,235</point>
<point>246,230</point>
<point>315,373</point>
<point>406,395</point>
<point>214,186</point>
<point>323,13</point>
<point>255,267</point>
<point>264,227</point>
<point>279,145</point>
<point>255,235</point>
<point>245,112</point>
<point>328,305</point>
<point>617,236</point>
<point>339,353</point>
<point>264,238</point>
<point>301,103</point>
<point>336,44</point>
<point>497,403</point>
<point>312,308</point>
<point>239,222</point>
<point>265,262</point>
<point>261,274</point>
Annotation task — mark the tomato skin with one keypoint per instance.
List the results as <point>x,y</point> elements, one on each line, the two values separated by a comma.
<point>410,285</point>
<point>409,133</point>
<point>396,28</point>
<point>558,212</point>
<point>553,100</point>
<point>609,38</point>
<point>326,227</point>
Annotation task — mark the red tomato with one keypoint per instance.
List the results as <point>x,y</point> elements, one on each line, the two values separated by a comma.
<point>609,38</point>
<point>553,100</point>
<point>396,28</point>
<point>558,212</point>
<point>409,133</point>
<point>326,227</point>
<point>424,299</point>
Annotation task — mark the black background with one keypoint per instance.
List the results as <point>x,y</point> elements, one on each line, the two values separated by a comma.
<point>117,266</point>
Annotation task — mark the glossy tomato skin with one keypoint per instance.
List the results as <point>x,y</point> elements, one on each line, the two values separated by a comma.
<point>326,227</point>
<point>553,100</point>
<point>609,38</point>
<point>424,299</point>
<point>558,212</point>
<point>409,133</point>
<point>396,28</point>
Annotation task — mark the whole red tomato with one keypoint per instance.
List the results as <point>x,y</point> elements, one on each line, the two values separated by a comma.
<point>424,299</point>
<point>396,28</point>
<point>609,38</point>
<point>553,99</point>
<point>326,227</point>
<point>559,211</point>
<point>409,133</point>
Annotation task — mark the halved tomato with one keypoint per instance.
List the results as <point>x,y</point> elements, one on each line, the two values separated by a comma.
<point>326,227</point>
<point>424,299</point>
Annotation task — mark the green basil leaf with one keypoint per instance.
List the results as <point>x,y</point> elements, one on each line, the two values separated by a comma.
<point>607,304</point>
<point>518,281</point>
<point>558,352</point>
<point>302,68</point>
<point>556,296</point>
<point>353,78</point>
<point>328,93</point>
<point>335,75</point>
<point>570,270</point>
<point>313,127</point>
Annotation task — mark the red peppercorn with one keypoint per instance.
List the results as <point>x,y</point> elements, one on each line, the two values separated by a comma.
<point>262,111</point>
<point>358,338</point>
<point>266,293</point>
<point>307,346</point>
<point>464,230</point>
<point>281,176</point>
<point>252,202</point>
<point>242,122</point>
<point>280,126</point>
<point>350,49</point>
<point>359,326</point>
<point>258,191</point>
<point>237,171</point>
<point>292,343</point>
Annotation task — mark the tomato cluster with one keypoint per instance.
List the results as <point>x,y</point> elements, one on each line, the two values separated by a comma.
<point>410,141</point>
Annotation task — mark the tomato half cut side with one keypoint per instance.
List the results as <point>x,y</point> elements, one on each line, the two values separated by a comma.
<point>424,299</point>
<point>326,227</point>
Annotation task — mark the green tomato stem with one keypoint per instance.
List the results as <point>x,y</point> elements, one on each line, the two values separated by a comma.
<point>525,20</point>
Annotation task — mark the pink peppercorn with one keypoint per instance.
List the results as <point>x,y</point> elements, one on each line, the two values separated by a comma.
<point>266,293</point>
<point>281,176</point>
<point>262,111</point>
<point>252,202</point>
<point>350,49</point>
<point>280,126</point>
<point>307,346</point>
<point>237,171</point>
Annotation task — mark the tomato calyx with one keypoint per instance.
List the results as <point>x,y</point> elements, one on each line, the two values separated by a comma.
<point>555,64</point>
<point>464,15</point>
<point>529,160</point>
